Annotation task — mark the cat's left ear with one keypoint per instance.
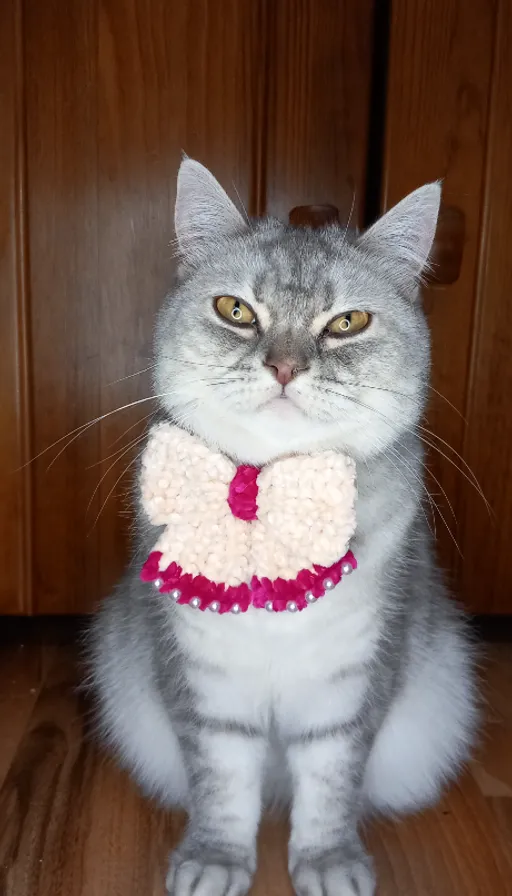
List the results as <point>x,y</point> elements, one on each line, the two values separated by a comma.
<point>403,237</point>
<point>203,212</point>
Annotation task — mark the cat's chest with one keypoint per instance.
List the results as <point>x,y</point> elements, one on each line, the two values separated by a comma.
<point>283,666</point>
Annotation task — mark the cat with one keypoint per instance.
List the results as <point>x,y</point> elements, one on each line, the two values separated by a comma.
<point>367,701</point>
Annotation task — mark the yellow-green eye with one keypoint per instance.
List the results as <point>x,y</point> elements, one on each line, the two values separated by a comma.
<point>235,311</point>
<point>349,323</point>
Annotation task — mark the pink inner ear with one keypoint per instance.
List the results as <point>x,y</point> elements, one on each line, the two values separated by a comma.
<point>243,492</point>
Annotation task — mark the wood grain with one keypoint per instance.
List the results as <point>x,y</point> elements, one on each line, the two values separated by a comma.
<point>21,679</point>
<point>458,847</point>
<point>439,81</point>
<point>15,558</point>
<point>487,572</point>
<point>61,110</point>
<point>116,91</point>
<point>319,72</point>
<point>71,824</point>
<point>153,104</point>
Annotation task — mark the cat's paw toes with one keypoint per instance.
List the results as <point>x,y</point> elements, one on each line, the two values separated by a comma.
<point>353,877</point>
<point>201,876</point>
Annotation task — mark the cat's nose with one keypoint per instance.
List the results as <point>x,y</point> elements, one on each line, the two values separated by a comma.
<point>285,371</point>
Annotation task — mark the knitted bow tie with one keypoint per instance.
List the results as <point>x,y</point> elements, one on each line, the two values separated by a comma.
<point>234,537</point>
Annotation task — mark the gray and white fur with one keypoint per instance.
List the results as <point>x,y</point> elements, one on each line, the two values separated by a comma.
<point>366,700</point>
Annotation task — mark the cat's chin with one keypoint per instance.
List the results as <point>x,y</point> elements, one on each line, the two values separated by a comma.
<point>283,408</point>
<point>258,437</point>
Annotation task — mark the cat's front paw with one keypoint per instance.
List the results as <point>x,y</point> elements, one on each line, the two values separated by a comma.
<point>334,874</point>
<point>207,873</point>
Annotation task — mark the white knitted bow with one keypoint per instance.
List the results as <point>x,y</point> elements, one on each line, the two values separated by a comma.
<point>306,510</point>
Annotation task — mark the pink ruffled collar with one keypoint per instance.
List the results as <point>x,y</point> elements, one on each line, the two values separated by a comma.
<point>203,594</point>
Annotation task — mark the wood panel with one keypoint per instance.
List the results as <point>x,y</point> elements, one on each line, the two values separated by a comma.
<point>440,64</point>
<point>154,103</point>
<point>14,410</point>
<point>318,105</point>
<point>60,40</point>
<point>116,90</point>
<point>487,571</point>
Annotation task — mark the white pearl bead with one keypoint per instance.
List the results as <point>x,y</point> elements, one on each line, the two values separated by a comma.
<point>195,602</point>
<point>215,606</point>
<point>347,568</point>
<point>328,584</point>
<point>310,597</point>
<point>235,609</point>
<point>176,594</point>
<point>269,606</point>
<point>159,583</point>
<point>291,606</point>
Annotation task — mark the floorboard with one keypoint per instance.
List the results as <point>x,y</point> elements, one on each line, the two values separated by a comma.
<point>72,824</point>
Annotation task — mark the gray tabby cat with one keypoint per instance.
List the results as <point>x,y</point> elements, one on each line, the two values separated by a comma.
<point>366,700</point>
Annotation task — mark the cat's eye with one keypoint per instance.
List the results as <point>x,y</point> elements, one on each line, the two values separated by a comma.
<point>235,311</point>
<point>347,324</point>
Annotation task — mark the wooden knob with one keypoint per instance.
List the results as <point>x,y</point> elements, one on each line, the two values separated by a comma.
<point>314,215</point>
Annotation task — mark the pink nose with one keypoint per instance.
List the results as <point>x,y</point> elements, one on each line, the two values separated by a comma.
<point>284,371</point>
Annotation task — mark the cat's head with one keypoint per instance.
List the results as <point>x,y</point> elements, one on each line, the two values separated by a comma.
<point>278,340</point>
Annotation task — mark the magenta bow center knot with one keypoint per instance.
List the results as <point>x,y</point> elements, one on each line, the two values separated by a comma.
<point>243,492</point>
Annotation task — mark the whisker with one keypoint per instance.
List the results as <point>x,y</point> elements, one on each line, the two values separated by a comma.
<point>85,426</point>
<point>366,385</point>
<point>137,422</point>
<point>105,474</point>
<point>472,481</point>
<point>181,417</point>
<point>377,388</point>
<point>435,504</point>
<point>130,375</point>
<point>345,232</point>
<point>404,394</point>
<point>447,400</point>
<point>235,366</point>
<point>429,472</point>
<point>434,435</point>
<point>119,450</point>
<point>440,395</point>
<point>134,460</point>
<point>242,206</point>
<point>432,532</point>
<point>191,363</point>
<point>351,212</point>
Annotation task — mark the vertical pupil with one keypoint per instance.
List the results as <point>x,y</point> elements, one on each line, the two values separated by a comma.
<point>236,313</point>
<point>345,321</point>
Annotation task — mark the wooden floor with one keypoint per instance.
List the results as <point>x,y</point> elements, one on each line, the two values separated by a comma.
<point>71,824</point>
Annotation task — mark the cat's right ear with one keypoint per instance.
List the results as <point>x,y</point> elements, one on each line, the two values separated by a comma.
<point>203,212</point>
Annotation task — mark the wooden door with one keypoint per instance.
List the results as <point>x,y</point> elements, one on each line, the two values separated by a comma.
<point>15,553</point>
<point>99,99</point>
<point>486,573</point>
<point>449,114</point>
